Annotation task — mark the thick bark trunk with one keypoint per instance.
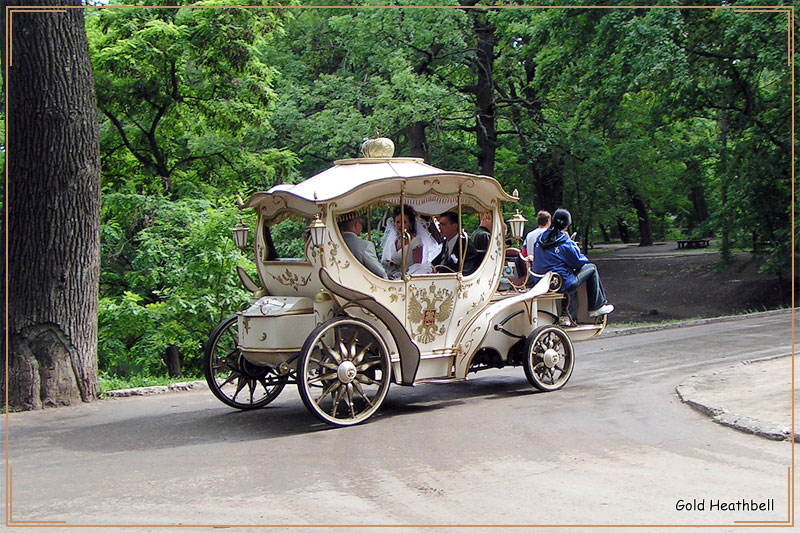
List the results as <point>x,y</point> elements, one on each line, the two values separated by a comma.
<point>417,141</point>
<point>53,211</point>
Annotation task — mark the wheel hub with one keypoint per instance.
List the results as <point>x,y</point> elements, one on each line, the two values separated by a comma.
<point>346,372</point>
<point>551,357</point>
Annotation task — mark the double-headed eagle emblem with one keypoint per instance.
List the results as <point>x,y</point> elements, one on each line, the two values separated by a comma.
<point>429,310</point>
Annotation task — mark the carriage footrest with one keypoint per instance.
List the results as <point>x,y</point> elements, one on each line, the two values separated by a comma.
<point>437,380</point>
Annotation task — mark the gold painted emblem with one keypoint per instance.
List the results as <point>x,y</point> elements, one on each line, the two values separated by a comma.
<point>429,310</point>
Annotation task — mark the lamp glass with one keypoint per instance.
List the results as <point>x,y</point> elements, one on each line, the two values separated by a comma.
<point>240,232</point>
<point>317,230</point>
<point>517,223</point>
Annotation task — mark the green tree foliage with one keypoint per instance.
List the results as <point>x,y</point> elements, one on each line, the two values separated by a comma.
<point>169,274</point>
<point>186,96</point>
<point>646,123</point>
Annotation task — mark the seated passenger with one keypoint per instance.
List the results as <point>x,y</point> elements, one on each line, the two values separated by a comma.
<point>410,244</point>
<point>482,236</point>
<point>543,219</point>
<point>362,249</point>
<point>420,246</point>
<point>555,251</point>
<point>454,246</point>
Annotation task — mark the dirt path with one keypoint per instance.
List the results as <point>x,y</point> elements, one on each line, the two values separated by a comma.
<point>656,283</point>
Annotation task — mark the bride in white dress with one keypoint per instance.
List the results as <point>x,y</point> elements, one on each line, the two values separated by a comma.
<point>420,247</point>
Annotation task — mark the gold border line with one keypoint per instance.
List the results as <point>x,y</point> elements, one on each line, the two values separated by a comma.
<point>11,12</point>
<point>10,521</point>
<point>5,255</point>
<point>223,6</point>
<point>789,10</point>
<point>789,511</point>
<point>789,17</point>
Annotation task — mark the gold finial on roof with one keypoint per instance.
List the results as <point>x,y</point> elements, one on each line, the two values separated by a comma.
<point>378,147</point>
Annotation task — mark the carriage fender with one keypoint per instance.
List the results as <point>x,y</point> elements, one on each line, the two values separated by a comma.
<point>475,333</point>
<point>407,348</point>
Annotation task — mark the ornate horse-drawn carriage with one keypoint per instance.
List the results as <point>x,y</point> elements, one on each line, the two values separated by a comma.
<point>342,334</point>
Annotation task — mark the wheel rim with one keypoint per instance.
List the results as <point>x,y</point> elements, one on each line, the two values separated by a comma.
<point>234,380</point>
<point>550,358</point>
<point>344,371</point>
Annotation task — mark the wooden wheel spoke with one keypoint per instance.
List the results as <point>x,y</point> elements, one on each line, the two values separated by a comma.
<point>360,391</point>
<point>230,379</point>
<point>324,377</point>
<point>251,384</point>
<point>329,366</point>
<point>335,356</point>
<point>349,399</point>
<point>368,365</point>
<point>242,381</point>
<point>328,390</point>
<point>337,399</point>
<point>343,351</point>
<point>361,378</point>
<point>358,358</point>
<point>233,335</point>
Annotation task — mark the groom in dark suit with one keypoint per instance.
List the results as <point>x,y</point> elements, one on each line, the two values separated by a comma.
<point>454,246</point>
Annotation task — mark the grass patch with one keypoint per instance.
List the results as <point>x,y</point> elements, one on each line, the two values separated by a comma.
<point>108,383</point>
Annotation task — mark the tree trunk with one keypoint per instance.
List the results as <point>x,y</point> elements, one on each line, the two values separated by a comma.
<point>484,88</point>
<point>723,180</point>
<point>173,361</point>
<point>417,141</point>
<point>622,228</point>
<point>548,182</point>
<point>645,233</point>
<point>604,232</point>
<point>53,211</point>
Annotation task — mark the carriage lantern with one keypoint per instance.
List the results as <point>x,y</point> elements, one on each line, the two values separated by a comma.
<point>240,235</point>
<point>317,230</point>
<point>517,223</point>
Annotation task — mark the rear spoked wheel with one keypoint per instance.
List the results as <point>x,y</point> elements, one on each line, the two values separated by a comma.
<point>344,371</point>
<point>549,358</point>
<point>233,379</point>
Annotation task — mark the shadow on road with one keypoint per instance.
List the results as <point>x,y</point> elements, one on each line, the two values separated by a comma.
<point>205,425</point>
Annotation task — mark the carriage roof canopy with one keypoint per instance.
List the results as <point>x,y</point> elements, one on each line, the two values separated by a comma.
<point>353,182</point>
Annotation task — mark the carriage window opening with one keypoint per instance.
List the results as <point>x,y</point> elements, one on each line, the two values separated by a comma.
<point>285,239</point>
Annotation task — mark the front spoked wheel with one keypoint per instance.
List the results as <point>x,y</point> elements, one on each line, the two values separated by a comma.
<point>233,379</point>
<point>344,371</point>
<point>549,358</point>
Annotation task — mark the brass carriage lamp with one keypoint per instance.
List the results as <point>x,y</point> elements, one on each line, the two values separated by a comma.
<point>240,232</point>
<point>517,223</point>
<point>317,231</point>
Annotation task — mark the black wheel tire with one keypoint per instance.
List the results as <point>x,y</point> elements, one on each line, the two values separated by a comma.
<point>549,358</point>
<point>229,374</point>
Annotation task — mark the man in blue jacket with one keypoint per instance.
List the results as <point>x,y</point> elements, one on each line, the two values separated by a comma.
<point>555,251</point>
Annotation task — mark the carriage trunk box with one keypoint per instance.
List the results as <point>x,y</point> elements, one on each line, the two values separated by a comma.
<point>274,328</point>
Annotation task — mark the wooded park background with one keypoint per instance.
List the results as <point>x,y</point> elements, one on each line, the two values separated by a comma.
<point>647,123</point>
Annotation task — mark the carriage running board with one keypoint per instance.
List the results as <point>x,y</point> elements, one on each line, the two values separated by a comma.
<point>409,351</point>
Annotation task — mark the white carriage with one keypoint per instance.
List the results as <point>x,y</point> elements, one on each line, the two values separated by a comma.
<point>342,334</point>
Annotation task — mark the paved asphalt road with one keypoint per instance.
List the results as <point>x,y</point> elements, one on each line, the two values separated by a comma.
<point>615,446</point>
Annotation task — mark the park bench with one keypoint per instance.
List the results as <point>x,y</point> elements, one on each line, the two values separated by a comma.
<point>693,243</point>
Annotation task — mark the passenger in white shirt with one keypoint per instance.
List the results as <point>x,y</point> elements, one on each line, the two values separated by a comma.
<point>543,219</point>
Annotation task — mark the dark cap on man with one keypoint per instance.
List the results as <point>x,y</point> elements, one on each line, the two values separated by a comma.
<point>561,219</point>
